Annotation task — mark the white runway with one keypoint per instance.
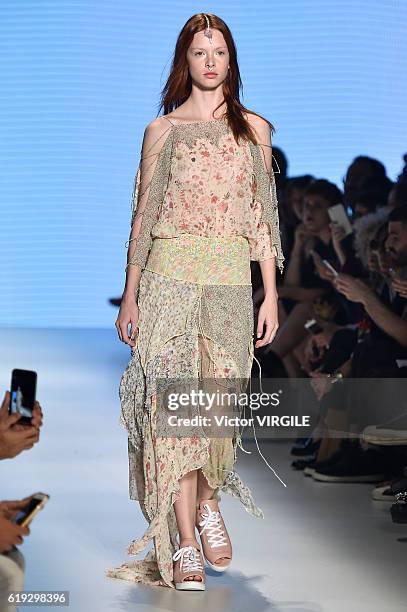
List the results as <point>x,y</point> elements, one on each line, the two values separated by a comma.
<point>321,547</point>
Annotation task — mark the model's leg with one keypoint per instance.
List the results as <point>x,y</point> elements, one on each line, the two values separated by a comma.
<point>221,450</point>
<point>185,509</point>
<point>205,492</point>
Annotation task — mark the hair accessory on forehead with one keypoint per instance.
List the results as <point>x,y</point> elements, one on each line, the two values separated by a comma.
<point>208,31</point>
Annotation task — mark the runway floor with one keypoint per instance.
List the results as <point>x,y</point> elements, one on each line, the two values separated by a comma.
<point>321,547</point>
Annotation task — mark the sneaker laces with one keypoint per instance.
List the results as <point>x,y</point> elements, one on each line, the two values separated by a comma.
<point>190,559</point>
<point>211,522</point>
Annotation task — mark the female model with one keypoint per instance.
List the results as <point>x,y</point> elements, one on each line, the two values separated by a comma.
<point>204,205</point>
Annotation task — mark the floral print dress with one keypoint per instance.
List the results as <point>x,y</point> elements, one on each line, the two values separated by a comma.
<point>205,189</point>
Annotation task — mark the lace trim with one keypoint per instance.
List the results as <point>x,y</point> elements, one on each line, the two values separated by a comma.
<point>149,209</point>
<point>266,194</point>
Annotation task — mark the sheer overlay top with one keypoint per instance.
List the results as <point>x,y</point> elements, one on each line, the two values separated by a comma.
<point>194,178</point>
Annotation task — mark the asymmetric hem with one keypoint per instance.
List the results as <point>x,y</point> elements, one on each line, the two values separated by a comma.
<point>177,319</point>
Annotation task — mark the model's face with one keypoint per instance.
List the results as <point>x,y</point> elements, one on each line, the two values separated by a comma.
<point>205,58</point>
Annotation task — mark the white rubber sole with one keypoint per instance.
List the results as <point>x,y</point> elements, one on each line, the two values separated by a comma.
<point>190,585</point>
<point>385,441</point>
<point>377,494</point>
<point>326,478</point>
<point>385,499</point>
<point>309,471</point>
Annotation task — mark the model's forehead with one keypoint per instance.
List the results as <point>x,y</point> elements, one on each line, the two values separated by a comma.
<point>200,40</point>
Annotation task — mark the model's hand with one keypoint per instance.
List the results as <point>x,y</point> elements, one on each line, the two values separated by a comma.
<point>258,296</point>
<point>268,317</point>
<point>128,313</point>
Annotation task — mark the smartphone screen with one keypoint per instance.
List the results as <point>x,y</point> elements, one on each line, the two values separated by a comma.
<point>36,502</point>
<point>22,392</point>
<point>32,504</point>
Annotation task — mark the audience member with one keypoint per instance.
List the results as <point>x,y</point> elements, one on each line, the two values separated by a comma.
<point>15,437</point>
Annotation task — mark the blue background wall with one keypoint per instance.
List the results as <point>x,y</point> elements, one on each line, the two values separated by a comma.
<point>80,80</point>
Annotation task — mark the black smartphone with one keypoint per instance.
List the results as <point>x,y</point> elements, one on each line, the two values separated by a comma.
<point>22,394</point>
<point>36,503</point>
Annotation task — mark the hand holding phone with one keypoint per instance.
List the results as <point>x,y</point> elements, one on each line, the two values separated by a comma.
<point>314,254</point>
<point>330,267</point>
<point>11,534</point>
<point>22,394</point>
<point>338,215</point>
<point>31,508</point>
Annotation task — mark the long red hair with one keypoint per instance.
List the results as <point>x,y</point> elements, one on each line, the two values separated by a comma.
<point>179,84</point>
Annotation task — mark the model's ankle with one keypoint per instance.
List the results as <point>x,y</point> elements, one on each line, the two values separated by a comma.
<point>201,498</point>
<point>188,542</point>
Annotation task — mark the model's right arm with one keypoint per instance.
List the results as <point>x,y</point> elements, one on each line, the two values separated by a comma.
<point>149,189</point>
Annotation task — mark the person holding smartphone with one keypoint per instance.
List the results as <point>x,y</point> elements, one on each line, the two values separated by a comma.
<point>12,563</point>
<point>15,437</point>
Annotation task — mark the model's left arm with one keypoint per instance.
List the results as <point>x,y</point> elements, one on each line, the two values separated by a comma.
<point>266,247</point>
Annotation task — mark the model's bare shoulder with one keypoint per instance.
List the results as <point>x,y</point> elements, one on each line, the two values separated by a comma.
<point>157,126</point>
<point>155,134</point>
<point>261,128</point>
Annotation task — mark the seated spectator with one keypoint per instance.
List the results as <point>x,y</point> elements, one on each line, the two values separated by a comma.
<point>370,237</point>
<point>291,209</point>
<point>397,195</point>
<point>402,177</point>
<point>371,198</point>
<point>305,279</point>
<point>14,438</point>
<point>375,355</point>
<point>365,174</point>
<point>386,312</point>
